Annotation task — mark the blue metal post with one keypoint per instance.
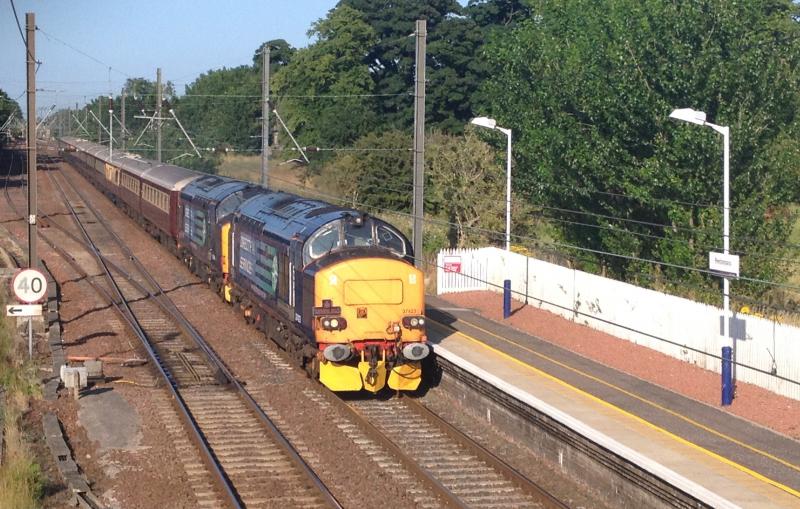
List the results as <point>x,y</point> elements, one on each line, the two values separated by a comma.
<point>727,381</point>
<point>506,298</point>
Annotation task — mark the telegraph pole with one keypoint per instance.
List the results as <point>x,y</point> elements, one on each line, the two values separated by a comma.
<point>419,140</point>
<point>99,115</point>
<point>30,31</point>
<point>158,114</point>
<point>110,127</point>
<point>122,120</point>
<point>265,116</point>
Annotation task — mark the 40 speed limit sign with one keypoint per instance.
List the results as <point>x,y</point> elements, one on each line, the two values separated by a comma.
<point>29,285</point>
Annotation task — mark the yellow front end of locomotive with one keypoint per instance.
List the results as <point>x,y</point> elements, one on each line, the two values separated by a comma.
<point>362,311</point>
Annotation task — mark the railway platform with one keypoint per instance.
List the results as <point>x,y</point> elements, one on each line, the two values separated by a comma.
<point>714,457</point>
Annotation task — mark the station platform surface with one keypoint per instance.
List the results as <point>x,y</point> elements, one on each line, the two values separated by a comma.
<point>718,458</point>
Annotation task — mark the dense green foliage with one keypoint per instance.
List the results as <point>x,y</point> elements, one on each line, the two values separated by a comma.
<point>589,87</point>
<point>600,172</point>
<point>8,107</point>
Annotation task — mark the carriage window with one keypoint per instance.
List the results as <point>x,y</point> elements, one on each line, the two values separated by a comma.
<point>390,239</point>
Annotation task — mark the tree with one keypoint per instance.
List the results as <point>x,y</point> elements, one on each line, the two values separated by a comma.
<point>222,108</point>
<point>465,183</point>
<point>324,93</point>
<point>466,187</point>
<point>589,86</point>
<point>375,175</point>
<point>391,57</point>
<point>8,107</point>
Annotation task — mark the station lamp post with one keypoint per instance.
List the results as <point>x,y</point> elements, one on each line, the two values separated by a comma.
<point>699,118</point>
<point>491,123</point>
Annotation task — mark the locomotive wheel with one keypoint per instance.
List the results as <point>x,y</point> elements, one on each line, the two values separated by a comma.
<point>312,368</point>
<point>295,352</point>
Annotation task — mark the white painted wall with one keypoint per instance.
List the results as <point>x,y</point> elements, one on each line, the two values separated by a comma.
<point>632,313</point>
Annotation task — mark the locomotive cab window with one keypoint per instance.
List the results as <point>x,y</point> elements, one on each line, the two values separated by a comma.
<point>229,204</point>
<point>390,239</point>
<point>358,232</point>
<point>324,241</point>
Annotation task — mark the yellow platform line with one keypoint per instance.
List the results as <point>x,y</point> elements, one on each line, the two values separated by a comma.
<point>649,424</point>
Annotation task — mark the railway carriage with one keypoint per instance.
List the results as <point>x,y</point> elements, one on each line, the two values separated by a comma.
<point>160,191</point>
<point>88,155</point>
<point>333,286</point>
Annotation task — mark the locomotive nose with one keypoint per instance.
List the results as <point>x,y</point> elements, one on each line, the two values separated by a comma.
<point>416,351</point>
<point>337,353</point>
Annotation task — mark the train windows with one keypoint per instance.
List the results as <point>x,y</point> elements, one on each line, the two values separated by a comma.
<point>325,240</point>
<point>229,204</point>
<point>390,239</point>
<point>358,233</point>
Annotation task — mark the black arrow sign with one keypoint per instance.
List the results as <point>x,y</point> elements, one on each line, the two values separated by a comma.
<point>14,311</point>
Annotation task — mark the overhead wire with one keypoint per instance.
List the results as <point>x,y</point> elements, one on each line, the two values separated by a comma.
<point>24,41</point>
<point>104,64</point>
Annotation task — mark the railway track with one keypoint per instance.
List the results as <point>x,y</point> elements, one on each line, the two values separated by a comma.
<point>251,463</point>
<point>434,463</point>
<point>465,474</point>
<point>255,465</point>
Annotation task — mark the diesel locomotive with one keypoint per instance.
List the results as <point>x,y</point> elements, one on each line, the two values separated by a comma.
<point>335,287</point>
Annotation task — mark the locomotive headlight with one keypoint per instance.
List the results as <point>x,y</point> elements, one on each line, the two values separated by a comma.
<point>333,323</point>
<point>413,322</point>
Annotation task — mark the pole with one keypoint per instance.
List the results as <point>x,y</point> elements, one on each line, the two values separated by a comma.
<point>110,128</point>
<point>99,115</point>
<point>265,116</point>
<point>508,191</point>
<point>506,298</point>
<point>158,114</point>
<point>726,285</point>
<point>727,385</point>
<point>30,30</point>
<point>122,116</point>
<point>419,140</point>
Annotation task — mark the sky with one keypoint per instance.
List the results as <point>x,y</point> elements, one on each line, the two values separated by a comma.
<point>184,38</point>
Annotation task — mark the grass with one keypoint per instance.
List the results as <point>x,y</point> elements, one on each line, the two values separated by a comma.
<point>285,177</point>
<point>794,239</point>
<point>21,479</point>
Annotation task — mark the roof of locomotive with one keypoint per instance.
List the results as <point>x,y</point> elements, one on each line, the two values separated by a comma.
<point>290,216</point>
<point>213,187</point>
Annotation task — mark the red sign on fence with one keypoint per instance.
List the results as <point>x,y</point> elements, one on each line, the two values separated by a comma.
<point>452,264</point>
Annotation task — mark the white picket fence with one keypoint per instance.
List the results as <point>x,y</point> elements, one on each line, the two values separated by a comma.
<point>675,326</point>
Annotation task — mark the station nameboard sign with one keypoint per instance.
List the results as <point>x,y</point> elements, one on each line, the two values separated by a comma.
<point>724,264</point>
<point>452,264</point>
